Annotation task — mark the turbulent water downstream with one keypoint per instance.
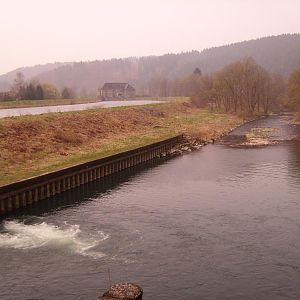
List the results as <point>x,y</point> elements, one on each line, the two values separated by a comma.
<point>219,223</point>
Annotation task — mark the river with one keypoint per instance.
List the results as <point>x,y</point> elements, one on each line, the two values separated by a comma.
<point>14,112</point>
<point>218,223</point>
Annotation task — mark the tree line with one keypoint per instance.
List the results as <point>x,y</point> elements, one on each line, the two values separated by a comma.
<point>241,87</point>
<point>293,90</point>
<point>33,90</point>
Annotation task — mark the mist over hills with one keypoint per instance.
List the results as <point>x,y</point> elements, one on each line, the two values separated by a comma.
<point>29,72</point>
<point>278,54</point>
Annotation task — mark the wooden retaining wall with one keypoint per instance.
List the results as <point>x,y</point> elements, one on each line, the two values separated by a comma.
<point>23,193</point>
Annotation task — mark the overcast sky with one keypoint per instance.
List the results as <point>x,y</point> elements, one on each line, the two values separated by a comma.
<point>41,31</point>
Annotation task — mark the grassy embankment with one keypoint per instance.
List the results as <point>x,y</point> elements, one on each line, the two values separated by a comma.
<point>45,102</point>
<point>32,145</point>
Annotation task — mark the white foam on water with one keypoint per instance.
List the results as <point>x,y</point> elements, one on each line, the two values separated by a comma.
<point>18,235</point>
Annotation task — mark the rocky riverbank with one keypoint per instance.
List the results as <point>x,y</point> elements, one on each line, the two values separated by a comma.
<point>188,145</point>
<point>191,144</point>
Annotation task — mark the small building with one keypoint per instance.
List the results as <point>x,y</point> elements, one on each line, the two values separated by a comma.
<point>116,91</point>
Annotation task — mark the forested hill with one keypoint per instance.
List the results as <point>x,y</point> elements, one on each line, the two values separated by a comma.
<point>29,72</point>
<point>278,54</point>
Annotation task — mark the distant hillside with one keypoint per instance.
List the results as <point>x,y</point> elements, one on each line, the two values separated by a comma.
<point>278,54</point>
<point>29,72</point>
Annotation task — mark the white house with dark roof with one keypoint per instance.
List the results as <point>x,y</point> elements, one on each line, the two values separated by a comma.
<point>116,91</point>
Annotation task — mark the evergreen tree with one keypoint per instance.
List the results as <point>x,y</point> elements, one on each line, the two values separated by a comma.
<point>30,92</point>
<point>66,93</point>
<point>39,92</point>
<point>197,72</point>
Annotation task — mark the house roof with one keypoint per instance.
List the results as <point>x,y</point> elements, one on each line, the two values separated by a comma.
<point>117,86</point>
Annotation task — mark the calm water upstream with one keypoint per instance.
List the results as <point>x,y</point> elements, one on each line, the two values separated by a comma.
<point>220,223</point>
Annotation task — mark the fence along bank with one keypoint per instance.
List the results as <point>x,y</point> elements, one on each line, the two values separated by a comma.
<point>25,192</point>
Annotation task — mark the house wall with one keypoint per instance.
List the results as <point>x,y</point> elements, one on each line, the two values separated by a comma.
<point>129,93</point>
<point>117,94</point>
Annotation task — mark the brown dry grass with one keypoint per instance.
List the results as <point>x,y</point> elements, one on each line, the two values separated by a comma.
<point>32,145</point>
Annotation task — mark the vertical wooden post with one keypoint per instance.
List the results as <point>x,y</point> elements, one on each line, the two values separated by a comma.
<point>53,188</point>
<point>58,190</point>
<point>9,204</point>
<point>2,206</point>
<point>29,197</point>
<point>48,190</point>
<point>23,199</point>
<point>128,162</point>
<point>16,201</point>
<point>78,180</point>
<point>36,194</point>
<point>63,184</point>
<point>68,182</point>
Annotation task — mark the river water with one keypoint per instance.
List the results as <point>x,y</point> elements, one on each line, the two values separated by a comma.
<point>219,223</point>
<point>14,112</point>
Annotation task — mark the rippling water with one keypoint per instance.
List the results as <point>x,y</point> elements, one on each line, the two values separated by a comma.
<point>220,223</point>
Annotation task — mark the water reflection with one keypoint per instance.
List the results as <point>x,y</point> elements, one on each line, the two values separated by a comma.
<point>84,193</point>
<point>294,163</point>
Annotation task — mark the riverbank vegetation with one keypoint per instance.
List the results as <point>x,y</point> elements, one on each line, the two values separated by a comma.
<point>294,90</point>
<point>31,145</point>
<point>242,87</point>
<point>293,94</point>
<point>34,90</point>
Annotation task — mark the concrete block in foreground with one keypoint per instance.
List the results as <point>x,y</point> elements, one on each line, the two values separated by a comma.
<point>124,291</point>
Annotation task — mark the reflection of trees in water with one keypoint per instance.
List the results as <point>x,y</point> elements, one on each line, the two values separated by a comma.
<point>294,162</point>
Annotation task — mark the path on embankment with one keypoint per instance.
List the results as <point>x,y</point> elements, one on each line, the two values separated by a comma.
<point>14,112</point>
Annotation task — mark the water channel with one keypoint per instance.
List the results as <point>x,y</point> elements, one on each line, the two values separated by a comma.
<point>219,223</point>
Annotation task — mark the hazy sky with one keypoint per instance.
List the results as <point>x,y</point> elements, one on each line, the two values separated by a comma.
<point>41,31</point>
